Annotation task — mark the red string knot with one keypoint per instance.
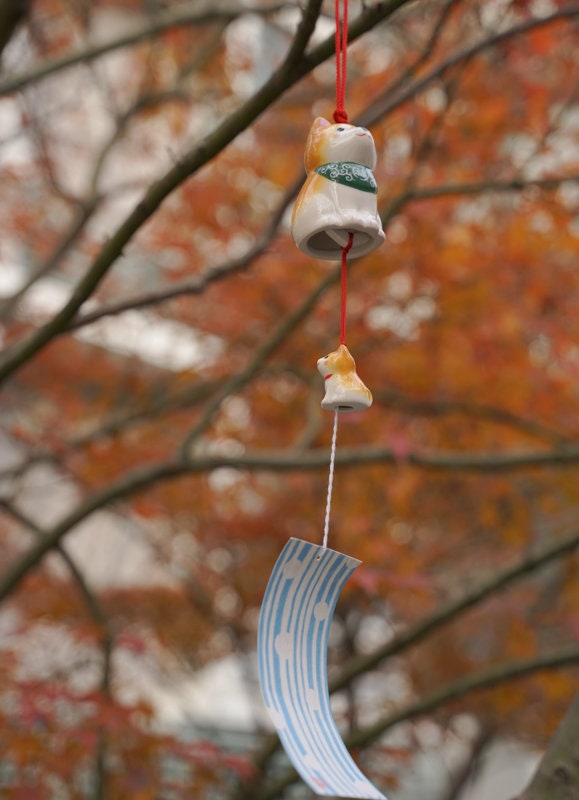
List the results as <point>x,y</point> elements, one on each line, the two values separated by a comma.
<point>340,115</point>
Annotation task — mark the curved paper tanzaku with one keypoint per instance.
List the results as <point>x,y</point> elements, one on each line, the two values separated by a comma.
<point>294,626</point>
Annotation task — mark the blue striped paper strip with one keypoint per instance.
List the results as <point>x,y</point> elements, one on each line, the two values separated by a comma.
<point>294,627</point>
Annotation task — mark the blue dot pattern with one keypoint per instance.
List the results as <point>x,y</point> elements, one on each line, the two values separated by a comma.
<point>294,627</point>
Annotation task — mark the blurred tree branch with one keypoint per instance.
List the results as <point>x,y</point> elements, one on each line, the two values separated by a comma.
<point>485,679</point>
<point>429,46</point>
<point>190,15</point>
<point>290,71</point>
<point>89,596</point>
<point>557,777</point>
<point>107,641</point>
<point>12,13</point>
<point>515,184</point>
<point>75,394</point>
<point>434,622</point>
<point>198,392</point>
<point>296,65</point>
<point>237,382</point>
<point>198,284</point>
<point>468,769</point>
<point>139,479</point>
<point>392,99</point>
<point>67,241</point>
<point>494,414</point>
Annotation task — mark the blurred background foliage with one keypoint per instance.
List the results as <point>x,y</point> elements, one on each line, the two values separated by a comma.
<point>177,397</point>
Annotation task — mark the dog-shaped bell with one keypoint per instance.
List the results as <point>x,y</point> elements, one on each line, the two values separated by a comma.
<point>345,391</point>
<point>339,196</point>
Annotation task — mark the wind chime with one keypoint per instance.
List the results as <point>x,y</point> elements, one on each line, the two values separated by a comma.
<point>335,216</point>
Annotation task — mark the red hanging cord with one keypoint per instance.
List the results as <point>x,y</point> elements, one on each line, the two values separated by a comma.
<point>345,251</point>
<point>340,113</point>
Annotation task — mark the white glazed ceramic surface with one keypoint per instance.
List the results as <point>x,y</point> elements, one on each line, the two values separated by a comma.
<point>339,159</point>
<point>345,390</point>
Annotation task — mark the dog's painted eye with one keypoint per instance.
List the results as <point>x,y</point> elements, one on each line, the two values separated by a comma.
<point>341,128</point>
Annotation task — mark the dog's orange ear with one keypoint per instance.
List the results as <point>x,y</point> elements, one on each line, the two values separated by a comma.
<point>313,156</point>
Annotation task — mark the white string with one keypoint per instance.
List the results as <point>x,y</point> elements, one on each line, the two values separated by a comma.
<point>330,479</point>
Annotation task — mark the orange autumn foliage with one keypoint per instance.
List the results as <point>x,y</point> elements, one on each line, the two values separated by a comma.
<point>176,409</point>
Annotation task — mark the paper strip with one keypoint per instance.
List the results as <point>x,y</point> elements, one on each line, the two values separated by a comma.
<point>294,627</point>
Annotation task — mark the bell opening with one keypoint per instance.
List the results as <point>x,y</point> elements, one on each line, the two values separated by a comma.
<point>322,242</point>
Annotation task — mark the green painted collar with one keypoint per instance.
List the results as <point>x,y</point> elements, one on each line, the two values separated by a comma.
<point>348,173</point>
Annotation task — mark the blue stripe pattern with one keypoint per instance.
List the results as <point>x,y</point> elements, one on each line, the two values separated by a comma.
<point>294,627</point>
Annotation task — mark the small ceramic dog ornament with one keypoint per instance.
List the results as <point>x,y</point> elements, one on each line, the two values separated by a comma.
<point>345,391</point>
<point>339,195</point>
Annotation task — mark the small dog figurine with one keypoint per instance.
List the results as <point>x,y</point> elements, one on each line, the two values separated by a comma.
<point>345,391</point>
<point>339,195</point>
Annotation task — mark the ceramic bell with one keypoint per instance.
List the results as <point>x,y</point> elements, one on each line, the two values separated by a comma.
<point>339,195</point>
<point>345,391</point>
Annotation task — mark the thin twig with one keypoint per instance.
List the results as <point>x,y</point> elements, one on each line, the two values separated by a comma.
<point>165,21</point>
<point>241,379</point>
<point>78,224</point>
<point>280,462</point>
<point>100,617</point>
<point>197,284</point>
<point>389,100</point>
<point>470,766</point>
<point>94,606</point>
<point>486,679</point>
<point>295,66</point>
<point>488,413</point>
<point>433,623</point>
<point>290,70</point>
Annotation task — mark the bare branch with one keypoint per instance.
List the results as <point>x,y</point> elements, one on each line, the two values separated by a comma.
<point>12,12</point>
<point>428,48</point>
<point>237,382</point>
<point>141,478</point>
<point>487,679</point>
<point>199,283</point>
<point>78,224</point>
<point>488,413</point>
<point>164,21</point>
<point>443,616</point>
<point>515,184</point>
<point>469,767</point>
<point>435,621</point>
<point>281,79</point>
<point>391,100</point>
<point>357,456</point>
<point>557,777</point>
<point>95,609</point>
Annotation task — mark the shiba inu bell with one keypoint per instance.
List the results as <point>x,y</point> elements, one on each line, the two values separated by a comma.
<point>339,195</point>
<point>345,391</point>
